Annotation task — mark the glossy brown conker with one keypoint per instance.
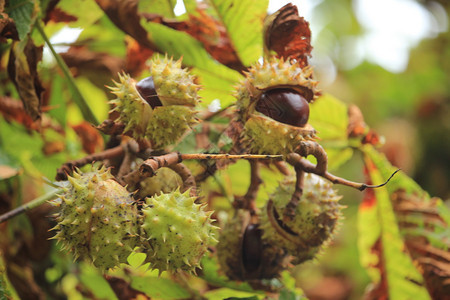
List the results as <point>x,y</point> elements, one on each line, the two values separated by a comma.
<point>284,105</point>
<point>147,90</point>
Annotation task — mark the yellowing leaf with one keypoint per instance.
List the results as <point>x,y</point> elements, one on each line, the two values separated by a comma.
<point>244,23</point>
<point>381,245</point>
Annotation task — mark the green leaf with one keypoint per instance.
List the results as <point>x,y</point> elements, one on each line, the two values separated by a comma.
<point>26,148</point>
<point>104,36</point>
<point>244,22</point>
<point>328,115</point>
<point>160,288</point>
<point>215,87</point>
<point>211,275</point>
<point>161,7</point>
<point>381,245</point>
<point>229,294</point>
<point>98,285</point>
<point>24,13</point>
<point>190,6</point>
<point>400,180</point>
<point>57,100</point>
<point>95,98</point>
<point>213,75</point>
<point>86,12</point>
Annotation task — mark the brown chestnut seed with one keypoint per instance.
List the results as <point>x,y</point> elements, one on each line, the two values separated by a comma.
<point>252,248</point>
<point>284,105</point>
<point>146,88</point>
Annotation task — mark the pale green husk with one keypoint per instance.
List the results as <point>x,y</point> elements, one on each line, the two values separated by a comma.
<point>97,219</point>
<point>316,218</point>
<point>163,125</point>
<point>262,134</point>
<point>176,231</point>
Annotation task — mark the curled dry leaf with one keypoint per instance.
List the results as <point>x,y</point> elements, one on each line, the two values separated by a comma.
<point>288,35</point>
<point>22,70</point>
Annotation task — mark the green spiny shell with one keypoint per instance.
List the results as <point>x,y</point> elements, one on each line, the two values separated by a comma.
<point>262,261</point>
<point>262,134</point>
<point>165,181</point>
<point>316,218</point>
<point>168,124</point>
<point>162,125</point>
<point>97,219</point>
<point>134,111</point>
<point>176,231</point>
<point>174,85</point>
<point>274,73</point>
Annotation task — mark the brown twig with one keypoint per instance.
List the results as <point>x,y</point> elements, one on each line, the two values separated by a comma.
<point>316,150</point>
<point>131,150</point>
<point>205,156</point>
<point>149,167</point>
<point>289,210</point>
<point>68,167</point>
<point>282,167</point>
<point>248,200</point>
<point>297,161</point>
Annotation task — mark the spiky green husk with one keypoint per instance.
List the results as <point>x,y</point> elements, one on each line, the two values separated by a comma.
<point>174,85</point>
<point>165,181</point>
<point>168,124</point>
<point>163,125</point>
<point>262,134</point>
<point>134,112</point>
<point>97,219</point>
<point>273,73</point>
<point>176,231</point>
<point>315,222</point>
<point>273,259</point>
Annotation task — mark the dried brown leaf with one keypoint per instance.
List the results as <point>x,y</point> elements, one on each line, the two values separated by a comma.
<point>98,67</point>
<point>124,14</point>
<point>357,127</point>
<point>13,109</point>
<point>22,70</point>
<point>123,289</point>
<point>137,55</point>
<point>57,15</point>
<point>433,262</point>
<point>213,35</point>
<point>207,30</point>
<point>8,28</point>
<point>288,35</point>
<point>91,139</point>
